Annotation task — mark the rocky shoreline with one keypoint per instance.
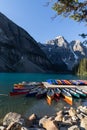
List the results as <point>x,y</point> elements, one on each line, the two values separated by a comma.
<point>67,119</point>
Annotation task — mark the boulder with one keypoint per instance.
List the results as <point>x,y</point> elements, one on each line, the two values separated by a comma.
<point>84,109</point>
<point>24,128</point>
<point>63,128</point>
<point>72,112</point>
<point>60,112</point>
<point>14,126</point>
<point>12,118</point>
<point>32,118</point>
<point>79,107</point>
<point>42,120</point>
<point>78,111</point>
<point>67,123</point>
<point>74,127</point>
<point>2,128</point>
<point>80,116</point>
<point>74,118</point>
<point>66,117</point>
<point>84,123</point>
<point>67,120</point>
<point>66,108</point>
<point>59,116</point>
<point>50,125</point>
<point>32,128</point>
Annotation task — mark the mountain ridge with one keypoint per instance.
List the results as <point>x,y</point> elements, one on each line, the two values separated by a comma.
<point>15,45</point>
<point>20,52</point>
<point>69,53</point>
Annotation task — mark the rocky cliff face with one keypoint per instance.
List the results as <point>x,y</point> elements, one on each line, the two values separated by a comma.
<point>19,52</point>
<point>60,52</point>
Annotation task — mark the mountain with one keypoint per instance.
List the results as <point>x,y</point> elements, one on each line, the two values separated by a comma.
<point>61,52</point>
<point>19,52</point>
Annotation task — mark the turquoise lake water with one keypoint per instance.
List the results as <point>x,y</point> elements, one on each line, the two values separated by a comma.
<point>27,106</point>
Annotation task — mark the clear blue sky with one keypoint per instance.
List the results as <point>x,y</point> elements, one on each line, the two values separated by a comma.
<point>35,18</point>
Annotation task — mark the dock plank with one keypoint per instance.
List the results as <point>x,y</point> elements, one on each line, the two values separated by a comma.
<point>47,85</point>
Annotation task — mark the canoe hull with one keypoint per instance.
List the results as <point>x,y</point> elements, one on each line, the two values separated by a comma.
<point>49,99</point>
<point>40,96</point>
<point>18,93</point>
<point>56,97</point>
<point>50,96</point>
<point>67,96</point>
<point>31,94</point>
<point>68,100</point>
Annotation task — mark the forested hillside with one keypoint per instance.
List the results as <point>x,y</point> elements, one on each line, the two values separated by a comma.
<point>81,68</point>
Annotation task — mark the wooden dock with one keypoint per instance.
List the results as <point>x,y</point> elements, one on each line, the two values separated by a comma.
<point>47,85</point>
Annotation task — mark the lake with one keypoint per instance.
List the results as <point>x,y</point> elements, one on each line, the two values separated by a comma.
<point>27,106</point>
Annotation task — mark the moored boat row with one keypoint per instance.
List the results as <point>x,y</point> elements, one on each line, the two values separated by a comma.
<point>74,94</point>
<point>67,82</point>
<point>68,93</point>
<point>50,94</point>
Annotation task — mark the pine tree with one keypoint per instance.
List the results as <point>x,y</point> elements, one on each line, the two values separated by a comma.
<point>74,9</point>
<point>82,67</point>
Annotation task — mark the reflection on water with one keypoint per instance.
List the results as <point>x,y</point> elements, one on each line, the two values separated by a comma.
<point>27,106</point>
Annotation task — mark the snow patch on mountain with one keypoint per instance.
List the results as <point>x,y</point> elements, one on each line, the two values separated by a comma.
<point>59,51</point>
<point>85,43</point>
<point>75,56</point>
<point>58,41</point>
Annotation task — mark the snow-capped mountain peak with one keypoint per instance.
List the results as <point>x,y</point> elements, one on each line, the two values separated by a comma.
<point>58,41</point>
<point>59,51</point>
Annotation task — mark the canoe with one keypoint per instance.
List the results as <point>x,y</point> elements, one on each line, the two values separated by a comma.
<point>29,87</point>
<point>57,93</point>
<point>18,85</point>
<point>84,91</point>
<point>74,82</point>
<point>67,82</point>
<point>19,89</point>
<point>67,96</point>
<point>50,96</point>
<point>81,82</point>
<point>59,82</point>
<point>15,89</point>
<point>63,82</point>
<point>83,95</point>
<point>73,93</point>
<point>19,93</point>
<point>32,93</point>
<point>77,82</point>
<point>52,81</point>
<point>41,93</point>
<point>85,82</point>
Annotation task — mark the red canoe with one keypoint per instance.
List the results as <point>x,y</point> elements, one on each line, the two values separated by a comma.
<point>19,93</point>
